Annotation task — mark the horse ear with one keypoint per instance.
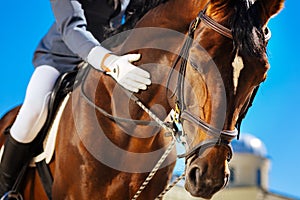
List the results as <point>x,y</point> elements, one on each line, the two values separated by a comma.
<point>268,8</point>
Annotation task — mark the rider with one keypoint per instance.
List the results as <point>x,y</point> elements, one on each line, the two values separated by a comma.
<point>75,36</point>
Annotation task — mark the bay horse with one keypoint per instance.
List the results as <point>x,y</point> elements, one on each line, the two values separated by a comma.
<point>107,144</point>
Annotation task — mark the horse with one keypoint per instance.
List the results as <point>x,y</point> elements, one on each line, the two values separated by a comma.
<point>206,60</point>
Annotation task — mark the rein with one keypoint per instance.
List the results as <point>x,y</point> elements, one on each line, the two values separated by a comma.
<point>104,112</point>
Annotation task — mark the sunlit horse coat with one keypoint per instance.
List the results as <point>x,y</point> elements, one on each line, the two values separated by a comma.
<point>79,26</point>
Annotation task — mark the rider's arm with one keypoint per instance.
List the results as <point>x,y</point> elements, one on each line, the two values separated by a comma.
<point>72,24</point>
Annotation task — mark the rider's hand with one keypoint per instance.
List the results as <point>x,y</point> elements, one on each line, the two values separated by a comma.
<point>126,74</point>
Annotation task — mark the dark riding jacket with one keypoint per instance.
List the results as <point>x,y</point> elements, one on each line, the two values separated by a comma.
<point>79,26</point>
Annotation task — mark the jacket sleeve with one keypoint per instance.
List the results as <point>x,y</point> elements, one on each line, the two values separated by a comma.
<point>71,24</point>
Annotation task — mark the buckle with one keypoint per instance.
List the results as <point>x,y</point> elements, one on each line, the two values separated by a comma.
<point>12,195</point>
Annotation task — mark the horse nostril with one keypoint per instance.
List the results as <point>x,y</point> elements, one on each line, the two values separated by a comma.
<point>226,179</point>
<point>227,175</point>
<point>194,176</point>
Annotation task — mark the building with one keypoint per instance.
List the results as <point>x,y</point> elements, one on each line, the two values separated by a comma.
<point>249,168</point>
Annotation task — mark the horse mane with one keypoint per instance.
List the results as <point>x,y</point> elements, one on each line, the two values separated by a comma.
<point>247,31</point>
<point>134,12</point>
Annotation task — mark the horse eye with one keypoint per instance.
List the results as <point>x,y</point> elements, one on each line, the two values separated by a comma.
<point>267,34</point>
<point>266,31</point>
<point>229,156</point>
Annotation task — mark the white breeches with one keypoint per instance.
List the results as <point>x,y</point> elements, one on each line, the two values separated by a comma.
<point>33,112</point>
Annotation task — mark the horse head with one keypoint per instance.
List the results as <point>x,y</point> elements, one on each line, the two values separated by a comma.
<point>226,62</point>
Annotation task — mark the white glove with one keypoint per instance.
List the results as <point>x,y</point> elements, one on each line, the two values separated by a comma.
<point>126,74</point>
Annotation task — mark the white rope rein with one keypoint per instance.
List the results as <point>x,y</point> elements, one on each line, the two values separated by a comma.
<point>162,159</point>
<point>170,186</point>
<point>154,170</point>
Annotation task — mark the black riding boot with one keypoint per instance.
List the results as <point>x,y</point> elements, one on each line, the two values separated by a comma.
<point>14,157</point>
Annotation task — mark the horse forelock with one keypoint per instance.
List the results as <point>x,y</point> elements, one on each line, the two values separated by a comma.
<point>247,32</point>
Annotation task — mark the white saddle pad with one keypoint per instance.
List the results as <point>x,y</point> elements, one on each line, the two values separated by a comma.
<point>49,143</point>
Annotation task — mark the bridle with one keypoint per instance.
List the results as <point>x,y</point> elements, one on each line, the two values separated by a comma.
<point>219,137</point>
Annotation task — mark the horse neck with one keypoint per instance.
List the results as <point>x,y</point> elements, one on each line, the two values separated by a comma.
<point>174,14</point>
<point>185,11</point>
<point>169,16</point>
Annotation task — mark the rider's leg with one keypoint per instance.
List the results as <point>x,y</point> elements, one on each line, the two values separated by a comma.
<point>28,123</point>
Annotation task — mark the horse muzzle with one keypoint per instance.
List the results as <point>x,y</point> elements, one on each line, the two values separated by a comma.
<point>204,180</point>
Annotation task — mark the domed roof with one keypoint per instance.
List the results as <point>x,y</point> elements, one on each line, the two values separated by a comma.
<point>249,144</point>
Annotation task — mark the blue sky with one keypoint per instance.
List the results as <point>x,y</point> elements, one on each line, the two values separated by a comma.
<point>274,117</point>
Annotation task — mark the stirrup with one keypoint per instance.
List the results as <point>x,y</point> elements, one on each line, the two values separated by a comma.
<point>12,195</point>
